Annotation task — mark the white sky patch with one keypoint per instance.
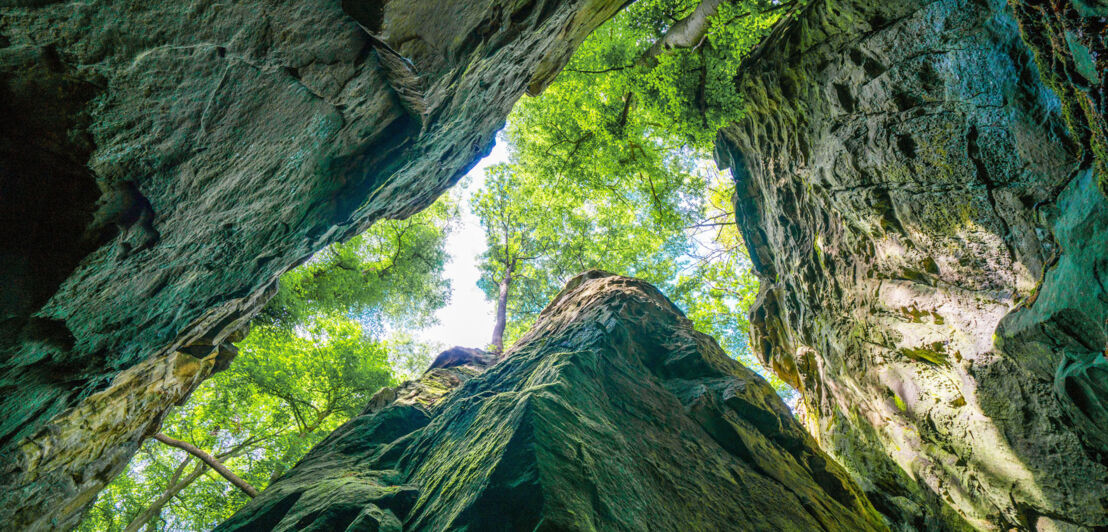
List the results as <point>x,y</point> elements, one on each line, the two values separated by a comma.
<point>468,319</point>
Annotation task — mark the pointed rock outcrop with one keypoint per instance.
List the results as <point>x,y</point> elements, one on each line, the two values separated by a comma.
<point>612,413</point>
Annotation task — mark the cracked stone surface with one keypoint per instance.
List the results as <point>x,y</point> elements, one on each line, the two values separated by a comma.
<point>162,163</point>
<point>926,222</point>
<point>612,413</point>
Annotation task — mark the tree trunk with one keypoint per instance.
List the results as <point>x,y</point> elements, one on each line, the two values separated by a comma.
<point>171,491</point>
<point>687,32</point>
<point>211,461</point>
<point>501,314</point>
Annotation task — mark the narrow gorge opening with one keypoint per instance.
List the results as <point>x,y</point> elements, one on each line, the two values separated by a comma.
<point>731,264</point>
<point>598,172</point>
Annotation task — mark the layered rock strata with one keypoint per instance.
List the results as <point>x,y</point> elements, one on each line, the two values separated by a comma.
<point>612,413</point>
<point>922,210</point>
<point>161,163</point>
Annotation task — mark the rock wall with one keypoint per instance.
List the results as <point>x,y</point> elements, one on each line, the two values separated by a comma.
<point>923,212</point>
<point>612,413</point>
<point>1070,41</point>
<point>162,163</point>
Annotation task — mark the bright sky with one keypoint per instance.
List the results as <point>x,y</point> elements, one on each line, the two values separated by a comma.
<point>468,319</point>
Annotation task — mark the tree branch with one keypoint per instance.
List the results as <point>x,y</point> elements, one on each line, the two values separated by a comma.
<point>180,470</point>
<point>685,33</point>
<point>211,461</point>
<point>155,509</point>
<point>657,202</point>
<point>626,111</point>
<point>709,224</point>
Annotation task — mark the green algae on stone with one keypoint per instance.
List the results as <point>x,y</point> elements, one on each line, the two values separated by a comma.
<point>1068,41</point>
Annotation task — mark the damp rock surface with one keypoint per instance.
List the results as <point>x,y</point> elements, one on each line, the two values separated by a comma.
<point>612,413</point>
<point>917,183</point>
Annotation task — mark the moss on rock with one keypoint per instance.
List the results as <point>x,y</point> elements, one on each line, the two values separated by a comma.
<point>612,413</point>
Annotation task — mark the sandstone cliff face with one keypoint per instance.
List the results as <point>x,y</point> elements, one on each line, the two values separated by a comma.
<point>612,413</point>
<point>933,252</point>
<point>161,163</point>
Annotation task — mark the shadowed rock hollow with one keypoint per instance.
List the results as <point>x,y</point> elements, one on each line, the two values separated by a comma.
<point>612,413</point>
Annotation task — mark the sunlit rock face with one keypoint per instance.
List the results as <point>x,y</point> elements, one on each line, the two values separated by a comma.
<point>612,413</point>
<point>933,251</point>
<point>161,163</point>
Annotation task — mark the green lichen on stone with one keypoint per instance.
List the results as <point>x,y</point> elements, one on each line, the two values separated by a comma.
<point>1062,52</point>
<point>934,354</point>
<point>899,403</point>
<point>936,156</point>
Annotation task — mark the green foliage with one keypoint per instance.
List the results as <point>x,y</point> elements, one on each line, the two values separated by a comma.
<point>409,358</point>
<point>513,222</point>
<point>548,231</point>
<point>312,360</point>
<point>392,272</point>
<point>609,169</point>
<point>684,94</point>
<point>327,366</point>
<point>285,391</point>
<point>695,255</point>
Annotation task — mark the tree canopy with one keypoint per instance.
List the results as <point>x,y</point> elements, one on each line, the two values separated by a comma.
<point>391,273</point>
<point>611,168</point>
<point>313,358</point>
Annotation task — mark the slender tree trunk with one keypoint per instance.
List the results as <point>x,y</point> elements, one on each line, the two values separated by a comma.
<point>211,461</point>
<point>176,484</point>
<point>501,313</point>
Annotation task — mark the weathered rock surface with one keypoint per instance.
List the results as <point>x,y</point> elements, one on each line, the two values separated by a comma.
<point>612,413</point>
<point>1069,39</point>
<point>933,252</point>
<point>161,163</point>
